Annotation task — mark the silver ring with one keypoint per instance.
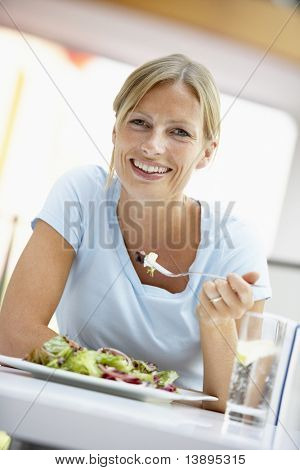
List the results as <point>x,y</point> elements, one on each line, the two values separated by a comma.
<point>215,300</point>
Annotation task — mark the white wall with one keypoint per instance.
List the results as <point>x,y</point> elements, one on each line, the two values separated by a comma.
<point>285,283</point>
<point>239,70</point>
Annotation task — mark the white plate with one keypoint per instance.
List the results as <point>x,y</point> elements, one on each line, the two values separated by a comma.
<point>137,392</point>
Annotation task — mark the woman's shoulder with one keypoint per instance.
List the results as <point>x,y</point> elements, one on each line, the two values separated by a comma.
<point>84,181</point>
<point>68,203</point>
<point>223,212</point>
<point>228,225</point>
<point>86,174</point>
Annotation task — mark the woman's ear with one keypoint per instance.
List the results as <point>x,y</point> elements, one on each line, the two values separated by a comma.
<point>207,154</point>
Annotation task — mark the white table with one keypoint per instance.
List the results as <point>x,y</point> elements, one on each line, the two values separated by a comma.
<point>64,417</point>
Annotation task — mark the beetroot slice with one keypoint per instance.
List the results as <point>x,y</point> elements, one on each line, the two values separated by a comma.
<point>114,374</point>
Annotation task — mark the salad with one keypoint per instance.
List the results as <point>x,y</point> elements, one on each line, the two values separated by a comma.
<point>107,363</point>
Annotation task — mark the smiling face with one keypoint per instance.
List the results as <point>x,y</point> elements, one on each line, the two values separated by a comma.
<point>164,130</point>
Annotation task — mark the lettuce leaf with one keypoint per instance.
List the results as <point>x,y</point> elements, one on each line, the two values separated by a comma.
<point>143,366</point>
<point>53,351</point>
<point>166,377</point>
<point>143,377</point>
<point>84,362</point>
<point>118,362</point>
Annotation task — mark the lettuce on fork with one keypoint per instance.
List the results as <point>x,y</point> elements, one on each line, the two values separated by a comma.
<point>108,363</point>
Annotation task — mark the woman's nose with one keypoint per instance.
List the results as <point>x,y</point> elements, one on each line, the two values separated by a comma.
<point>153,145</point>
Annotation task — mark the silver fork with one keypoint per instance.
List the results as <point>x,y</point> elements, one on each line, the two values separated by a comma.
<point>140,257</point>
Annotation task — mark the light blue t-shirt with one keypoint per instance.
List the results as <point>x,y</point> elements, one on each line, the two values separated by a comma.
<point>104,302</point>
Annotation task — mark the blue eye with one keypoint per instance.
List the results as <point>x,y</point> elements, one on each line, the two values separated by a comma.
<point>141,123</point>
<point>138,122</point>
<point>185,134</point>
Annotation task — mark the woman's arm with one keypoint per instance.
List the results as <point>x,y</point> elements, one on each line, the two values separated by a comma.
<point>34,291</point>
<point>219,325</point>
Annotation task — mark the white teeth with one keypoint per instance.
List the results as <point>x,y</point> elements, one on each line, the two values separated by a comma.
<point>150,169</point>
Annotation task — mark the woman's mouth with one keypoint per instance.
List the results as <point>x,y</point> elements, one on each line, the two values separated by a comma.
<point>147,176</point>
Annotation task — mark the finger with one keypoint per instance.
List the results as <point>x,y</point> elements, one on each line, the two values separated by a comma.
<point>212,293</point>
<point>241,287</point>
<point>210,289</point>
<point>218,307</point>
<point>230,298</point>
<point>208,306</point>
<point>204,308</point>
<point>205,298</point>
<point>251,277</point>
<point>209,311</point>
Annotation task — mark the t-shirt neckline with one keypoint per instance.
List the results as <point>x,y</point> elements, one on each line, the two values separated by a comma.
<point>114,193</point>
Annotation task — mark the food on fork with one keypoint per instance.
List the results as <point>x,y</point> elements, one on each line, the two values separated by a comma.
<point>106,363</point>
<point>147,260</point>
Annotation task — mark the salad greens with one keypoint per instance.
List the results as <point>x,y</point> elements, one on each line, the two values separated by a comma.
<point>52,353</point>
<point>5,440</point>
<point>84,362</point>
<point>108,363</point>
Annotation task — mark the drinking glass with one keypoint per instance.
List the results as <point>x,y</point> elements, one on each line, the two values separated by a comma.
<point>256,368</point>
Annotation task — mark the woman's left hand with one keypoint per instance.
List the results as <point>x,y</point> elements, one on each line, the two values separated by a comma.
<point>236,298</point>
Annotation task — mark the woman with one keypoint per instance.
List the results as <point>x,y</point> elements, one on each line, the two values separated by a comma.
<point>81,263</point>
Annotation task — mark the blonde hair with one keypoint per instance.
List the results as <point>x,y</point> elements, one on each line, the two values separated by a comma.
<point>173,68</point>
